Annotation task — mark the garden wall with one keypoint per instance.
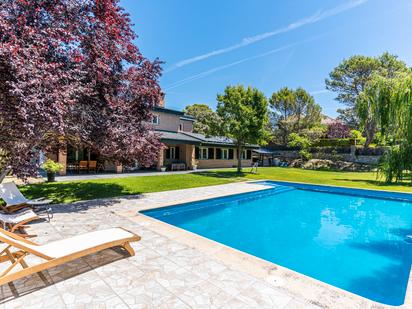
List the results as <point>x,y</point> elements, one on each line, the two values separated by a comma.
<point>349,154</point>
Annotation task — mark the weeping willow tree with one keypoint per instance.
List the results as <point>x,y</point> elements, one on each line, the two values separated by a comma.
<point>388,102</point>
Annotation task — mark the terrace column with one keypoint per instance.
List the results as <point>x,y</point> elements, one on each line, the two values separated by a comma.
<point>62,159</point>
<point>190,156</point>
<point>119,169</point>
<point>160,160</point>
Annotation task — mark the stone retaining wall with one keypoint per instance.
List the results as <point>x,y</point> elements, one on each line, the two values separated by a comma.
<point>349,157</point>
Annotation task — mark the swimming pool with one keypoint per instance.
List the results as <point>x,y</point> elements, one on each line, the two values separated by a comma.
<point>353,239</point>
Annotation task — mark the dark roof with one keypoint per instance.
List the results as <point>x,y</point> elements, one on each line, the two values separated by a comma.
<point>210,139</point>
<point>177,136</point>
<point>172,111</point>
<point>214,140</point>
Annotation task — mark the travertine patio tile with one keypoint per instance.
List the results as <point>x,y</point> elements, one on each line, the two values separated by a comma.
<point>69,270</point>
<point>155,242</point>
<point>84,289</point>
<point>173,303</point>
<point>115,302</point>
<point>235,303</point>
<point>48,297</point>
<point>295,304</point>
<point>260,295</point>
<point>188,256</point>
<point>149,294</point>
<point>171,247</point>
<point>121,276</point>
<point>105,257</point>
<point>154,267</point>
<point>178,280</point>
<point>204,295</point>
<point>232,282</point>
<point>25,286</point>
<point>143,255</point>
<point>207,268</point>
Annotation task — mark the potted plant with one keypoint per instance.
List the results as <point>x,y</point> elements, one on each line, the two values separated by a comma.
<point>163,168</point>
<point>51,168</point>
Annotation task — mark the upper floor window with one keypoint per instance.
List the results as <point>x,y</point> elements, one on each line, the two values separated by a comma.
<point>180,126</point>
<point>155,119</point>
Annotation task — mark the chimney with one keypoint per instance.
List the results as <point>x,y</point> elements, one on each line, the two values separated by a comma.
<point>162,100</point>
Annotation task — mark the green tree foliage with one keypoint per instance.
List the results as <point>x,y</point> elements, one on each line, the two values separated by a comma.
<point>357,136</point>
<point>207,121</point>
<point>292,112</point>
<point>244,114</point>
<point>388,102</point>
<point>303,142</point>
<point>350,78</point>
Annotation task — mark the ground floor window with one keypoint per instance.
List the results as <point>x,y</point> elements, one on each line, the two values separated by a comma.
<point>172,153</point>
<point>225,154</point>
<point>204,154</point>
<point>246,154</point>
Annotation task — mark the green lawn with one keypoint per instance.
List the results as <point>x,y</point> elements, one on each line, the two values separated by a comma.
<point>66,192</point>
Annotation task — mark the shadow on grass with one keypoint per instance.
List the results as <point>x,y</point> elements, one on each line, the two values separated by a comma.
<point>74,191</point>
<point>376,182</point>
<point>222,174</point>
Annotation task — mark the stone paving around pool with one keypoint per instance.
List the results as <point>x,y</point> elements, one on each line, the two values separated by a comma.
<point>172,268</point>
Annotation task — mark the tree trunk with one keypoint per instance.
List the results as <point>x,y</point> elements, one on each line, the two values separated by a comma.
<point>239,158</point>
<point>4,172</point>
<point>370,129</point>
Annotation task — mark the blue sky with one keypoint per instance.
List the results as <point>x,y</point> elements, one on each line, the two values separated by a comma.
<point>207,45</point>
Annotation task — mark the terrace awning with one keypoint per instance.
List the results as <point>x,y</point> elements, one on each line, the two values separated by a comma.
<point>264,151</point>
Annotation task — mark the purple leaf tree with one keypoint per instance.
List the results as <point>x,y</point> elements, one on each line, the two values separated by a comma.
<point>70,73</point>
<point>338,130</point>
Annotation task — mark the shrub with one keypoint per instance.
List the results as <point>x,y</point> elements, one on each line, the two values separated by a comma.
<point>315,133</point>
<point>357,135</point>
<point>303,142</point>
<point>331,150</point>
<point>51,167</point>
<point>334,142</point>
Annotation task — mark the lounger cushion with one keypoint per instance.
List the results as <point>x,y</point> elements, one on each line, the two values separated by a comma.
<point>38,202</point>
<point>78,243</point>
<point>17,217</point>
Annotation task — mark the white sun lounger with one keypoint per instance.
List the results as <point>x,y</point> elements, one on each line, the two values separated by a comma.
<point>16,200</point>
<point>17,219</point>
<point>58,252</point>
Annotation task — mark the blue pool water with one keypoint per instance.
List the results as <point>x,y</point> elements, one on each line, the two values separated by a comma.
<point>343,237</point>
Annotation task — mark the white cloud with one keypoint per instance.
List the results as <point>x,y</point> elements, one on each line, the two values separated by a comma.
<point>319,91</point>
<point>225,66</point>
<point>321,15</point>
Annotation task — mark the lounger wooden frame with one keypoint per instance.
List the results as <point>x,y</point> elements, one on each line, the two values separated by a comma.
<point>18,256</point>
<point>21,224</point>
<point>14,227</point>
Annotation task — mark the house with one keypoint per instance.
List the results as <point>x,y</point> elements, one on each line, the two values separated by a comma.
<point>183,148</point>
<point>326,120</point>
<point>187,150</point>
